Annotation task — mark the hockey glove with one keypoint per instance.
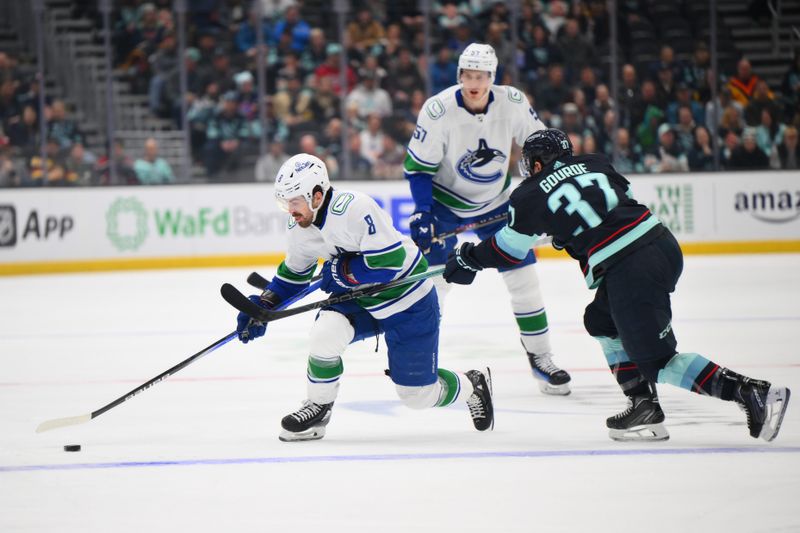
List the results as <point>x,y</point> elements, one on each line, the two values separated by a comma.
<point>248,328</point>
<point>422,226</point>
<point>461,267</point>
<point>336,276</point>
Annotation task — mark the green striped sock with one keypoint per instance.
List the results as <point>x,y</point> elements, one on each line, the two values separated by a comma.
<point>324,369</point>
<point>451,386</point>
<point>532,323</point>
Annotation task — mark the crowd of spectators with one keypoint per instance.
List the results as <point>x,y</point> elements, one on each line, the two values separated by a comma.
<point>66,160</point>
<point>664,110</point>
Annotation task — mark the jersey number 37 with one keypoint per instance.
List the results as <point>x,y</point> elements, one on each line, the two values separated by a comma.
<point>575,203</point>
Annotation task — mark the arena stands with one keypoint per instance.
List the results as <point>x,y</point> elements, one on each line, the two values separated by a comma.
<point>663,110</point>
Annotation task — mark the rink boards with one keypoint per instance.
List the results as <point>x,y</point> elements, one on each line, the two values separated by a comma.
<point>72,230</point>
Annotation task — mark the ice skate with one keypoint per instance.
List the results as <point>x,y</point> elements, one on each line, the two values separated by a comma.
<point>307,423</point>
<point>641,421</point>
<point>551,379</point>
<point>764,404</point>
<point>480,402</point>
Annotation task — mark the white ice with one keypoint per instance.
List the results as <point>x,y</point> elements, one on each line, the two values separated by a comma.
<point>199,452</point>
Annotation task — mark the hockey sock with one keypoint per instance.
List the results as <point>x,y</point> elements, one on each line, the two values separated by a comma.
<point>695,373</point>
<point>533,325</point>
<point>528,306</point>
<point>451,387</point>
<point>625,371</point>
<point>323,378</point>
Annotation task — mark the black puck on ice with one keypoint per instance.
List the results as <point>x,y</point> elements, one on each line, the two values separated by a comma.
<point>72,448</point>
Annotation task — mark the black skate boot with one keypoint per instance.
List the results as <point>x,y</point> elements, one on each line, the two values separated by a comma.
<point>551,379</point>
<point>480,402</point>
<point>307,423</point>
<point>763,403</point>
<point>641,421</point>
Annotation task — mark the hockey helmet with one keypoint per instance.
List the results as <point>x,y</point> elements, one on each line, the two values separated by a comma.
<point>298,177</point>
<point>477,56</point>
<point>544,146</point>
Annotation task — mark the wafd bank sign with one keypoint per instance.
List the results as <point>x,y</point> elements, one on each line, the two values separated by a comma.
<point>154,222</point>
<point>46,225</point>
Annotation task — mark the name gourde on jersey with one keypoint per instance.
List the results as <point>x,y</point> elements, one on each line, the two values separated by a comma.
<point>560,175</point>
<point>583,203</point>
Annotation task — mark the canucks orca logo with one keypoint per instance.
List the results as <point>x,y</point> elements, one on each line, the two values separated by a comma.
<point>470,163</point>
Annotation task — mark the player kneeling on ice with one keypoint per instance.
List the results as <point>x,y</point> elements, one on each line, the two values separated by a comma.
<point>634,262</point>
<point>359,244</point>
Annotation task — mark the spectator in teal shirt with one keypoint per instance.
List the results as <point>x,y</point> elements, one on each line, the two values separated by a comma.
<point>153,170</point>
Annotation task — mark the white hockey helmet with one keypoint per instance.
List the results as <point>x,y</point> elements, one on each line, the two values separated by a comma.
<point>477,56</point>
<point>298,177</point>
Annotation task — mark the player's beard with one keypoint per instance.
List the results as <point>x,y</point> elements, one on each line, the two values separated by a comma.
<point>305,220</point>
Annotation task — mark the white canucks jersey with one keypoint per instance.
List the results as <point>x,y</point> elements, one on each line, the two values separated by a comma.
<point>353,222</point>
<point>468,154</point>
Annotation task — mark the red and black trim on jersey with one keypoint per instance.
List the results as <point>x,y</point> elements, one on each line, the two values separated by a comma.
<point>620,239</point>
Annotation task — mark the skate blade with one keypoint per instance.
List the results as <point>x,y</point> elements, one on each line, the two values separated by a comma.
<point>553,390</point>
<point>314,433</point>
<point>488,373</point>
<point>643,433</point>
<point>777,402</point>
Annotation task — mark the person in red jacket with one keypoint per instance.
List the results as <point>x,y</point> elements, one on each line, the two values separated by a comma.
<point>330,69</point>
<point>743,84</point>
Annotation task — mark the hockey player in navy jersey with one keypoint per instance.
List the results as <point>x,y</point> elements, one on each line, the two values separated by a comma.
<point>634,263</point>
<point>457,168</point>
<point>360,245</point>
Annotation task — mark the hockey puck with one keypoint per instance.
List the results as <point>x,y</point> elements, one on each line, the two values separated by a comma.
<point>72,448</point>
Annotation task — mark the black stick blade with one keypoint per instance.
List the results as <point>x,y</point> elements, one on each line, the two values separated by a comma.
<point>257,280</point>
<point>238,300</point>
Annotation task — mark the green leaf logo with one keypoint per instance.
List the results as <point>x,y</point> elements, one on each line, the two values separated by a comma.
<point>126,224</point>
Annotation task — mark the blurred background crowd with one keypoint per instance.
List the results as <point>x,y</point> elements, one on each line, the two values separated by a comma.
<point>651,108</point>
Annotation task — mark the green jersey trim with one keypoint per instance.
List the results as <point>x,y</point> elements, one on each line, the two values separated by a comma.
<point>411,166</point>
<point>381,298</point>
<point>392,259</point>
<point>451,201</point>
<point>290,276</point>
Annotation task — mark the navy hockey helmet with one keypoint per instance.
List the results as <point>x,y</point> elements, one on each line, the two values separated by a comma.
<point>544,146</point>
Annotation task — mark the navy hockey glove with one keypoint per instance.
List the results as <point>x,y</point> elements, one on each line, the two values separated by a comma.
<point>248,328</point>
<point>422,226</point>
<point>461,267</point>
<point>336,277</point>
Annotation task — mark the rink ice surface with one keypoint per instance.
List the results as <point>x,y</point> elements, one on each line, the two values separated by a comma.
<point>199,452</point>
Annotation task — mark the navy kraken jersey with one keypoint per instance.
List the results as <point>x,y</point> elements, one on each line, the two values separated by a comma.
<point>586,206</point>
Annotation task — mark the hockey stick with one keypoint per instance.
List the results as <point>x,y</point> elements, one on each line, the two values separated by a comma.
<point>260,282</point>
<point>75,420</point>
<point>257,280</point>
<point>541,241</point>
<point>238,300</point>
<point>469,227</point>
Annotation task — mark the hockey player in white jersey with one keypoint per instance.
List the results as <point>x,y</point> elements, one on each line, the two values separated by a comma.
<point>457,167</point>
<point>356,239</point>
